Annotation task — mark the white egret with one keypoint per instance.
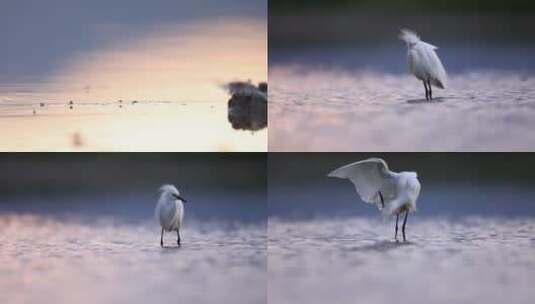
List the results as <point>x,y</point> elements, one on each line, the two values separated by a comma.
<point>170,210</point>
<point>424,62</point>
<point>393,193</point>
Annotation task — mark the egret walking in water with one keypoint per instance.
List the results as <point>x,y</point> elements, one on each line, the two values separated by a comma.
<point>424,62</point>
<point>170,210</point>
<point>393,193</point>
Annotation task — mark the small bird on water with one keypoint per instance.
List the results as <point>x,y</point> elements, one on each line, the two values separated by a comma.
<point>393,193</point>
<point>424,62</point>
<point>170,211</point>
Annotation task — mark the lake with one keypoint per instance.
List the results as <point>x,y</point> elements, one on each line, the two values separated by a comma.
<point>142,80</point>
<point>107,249</point>
<point>351,99</point>
<point>124,126</point>
<point>343,260</point>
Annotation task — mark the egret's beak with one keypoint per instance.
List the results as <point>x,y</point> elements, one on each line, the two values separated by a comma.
<point>180,198</point>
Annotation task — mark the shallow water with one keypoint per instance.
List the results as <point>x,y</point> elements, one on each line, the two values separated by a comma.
<point>365,101</point>
<point>44,259</point>
<point>123,126</point>
<point>343,260</point>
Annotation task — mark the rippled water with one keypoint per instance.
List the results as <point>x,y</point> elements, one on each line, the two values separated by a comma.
<point>319,108</point>
<point>473,260</point>
<point>43,259</point>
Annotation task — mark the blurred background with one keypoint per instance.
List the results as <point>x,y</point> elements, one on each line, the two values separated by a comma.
<point>221,186</point>
<point>61,48</point>
<point>461,28</point>
<point>454,185</point>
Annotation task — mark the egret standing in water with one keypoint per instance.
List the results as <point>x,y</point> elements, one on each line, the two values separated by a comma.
<point>393,193</point>
<point>170,210</point>
<point>424,62</point>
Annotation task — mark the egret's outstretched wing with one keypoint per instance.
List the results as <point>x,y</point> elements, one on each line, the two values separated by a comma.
<point>372,179</point>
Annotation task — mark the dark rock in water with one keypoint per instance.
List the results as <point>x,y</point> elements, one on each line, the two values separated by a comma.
<point>247,110</point>
<point>246,87</point>
<point>263,87</point>
<point>247,107</point>
<point>240,86</point>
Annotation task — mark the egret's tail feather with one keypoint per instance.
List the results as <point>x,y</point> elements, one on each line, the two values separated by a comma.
<point>441,77</point>
<point>437,83</point>
<point>408,36</point>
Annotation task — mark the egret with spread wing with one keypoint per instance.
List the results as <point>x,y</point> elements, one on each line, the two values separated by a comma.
<point>393,193</point>
<point>424,62</point>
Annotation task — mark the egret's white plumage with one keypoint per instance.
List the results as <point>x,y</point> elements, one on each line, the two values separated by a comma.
<point>392,192</point>
<point>170,210</point>
<point>424,62</point>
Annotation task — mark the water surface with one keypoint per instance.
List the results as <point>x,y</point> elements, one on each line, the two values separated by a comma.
<point>129,125</point>
<point>343,260</point>
<point>364,100</point>
<point>105,247</point>
<point>45,259</point>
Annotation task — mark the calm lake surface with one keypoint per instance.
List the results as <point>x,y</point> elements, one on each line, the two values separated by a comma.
<point>365,100</point>
<point>125,126</point>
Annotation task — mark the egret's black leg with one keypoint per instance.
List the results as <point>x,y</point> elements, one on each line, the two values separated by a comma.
<point>178,237</point>
<point>161,239</point>
<point>396,235</point>
<point>430,90</point>
<point>404,223</point>
<point>426,92</point>
<point>382,200</point>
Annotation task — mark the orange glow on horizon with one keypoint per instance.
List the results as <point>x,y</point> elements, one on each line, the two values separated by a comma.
<point>169,63</point>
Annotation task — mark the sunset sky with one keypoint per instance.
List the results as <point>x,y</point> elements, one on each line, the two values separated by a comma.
<point>147,50</point>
